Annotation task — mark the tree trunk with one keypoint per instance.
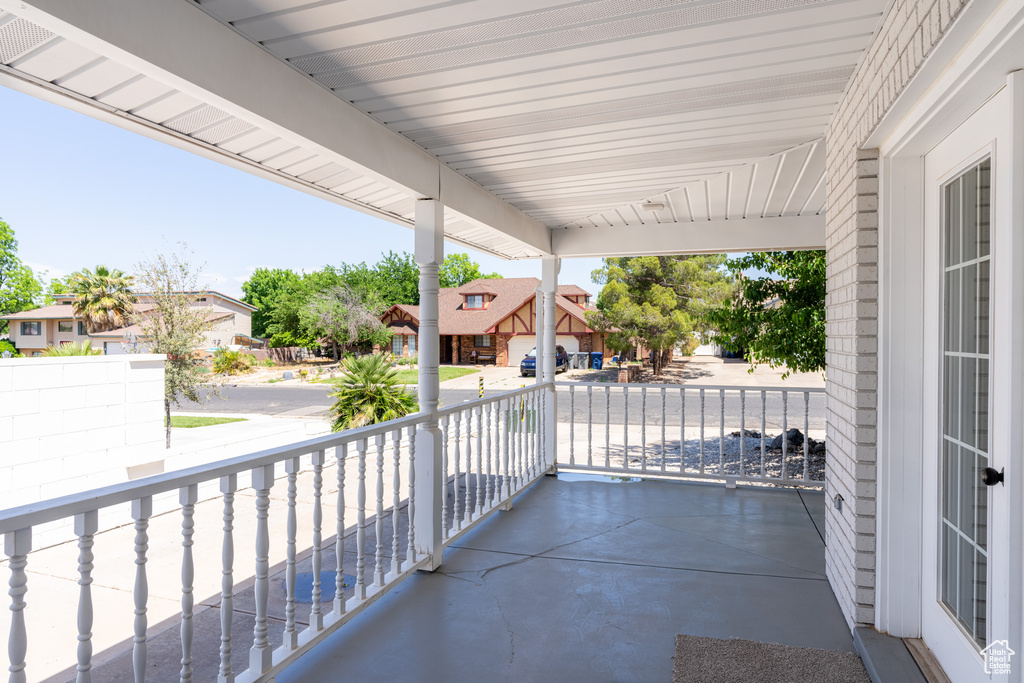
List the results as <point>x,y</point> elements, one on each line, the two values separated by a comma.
<point>167,420</point>
<point>336,357</point>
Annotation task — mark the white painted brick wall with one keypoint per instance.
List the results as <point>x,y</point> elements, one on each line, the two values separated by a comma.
<point>907,34</point>
<point>69,424</point>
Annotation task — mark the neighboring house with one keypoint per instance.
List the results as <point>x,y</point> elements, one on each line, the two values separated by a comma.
<point>492,321</point>
<point>32,331</point>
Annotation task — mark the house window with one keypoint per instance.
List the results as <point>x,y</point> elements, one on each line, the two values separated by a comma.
<point>32,329</point>
<point>482,341</point>
<point>396,345</point>
<point>65,326</point>
<point>475,301</point>
<point>82,332</point>
<point>412,344</point>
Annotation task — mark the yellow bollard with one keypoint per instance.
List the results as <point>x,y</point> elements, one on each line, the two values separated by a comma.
<point>481,387</point>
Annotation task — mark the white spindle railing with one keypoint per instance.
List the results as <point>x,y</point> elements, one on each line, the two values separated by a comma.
<point>689,439</point>
<point>504,453</point>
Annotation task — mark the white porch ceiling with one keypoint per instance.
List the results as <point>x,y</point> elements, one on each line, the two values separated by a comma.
<point>561,115</point>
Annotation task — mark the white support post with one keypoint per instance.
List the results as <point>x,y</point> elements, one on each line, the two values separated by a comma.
<point>539,338</point>
<point>430,475</point>
<point>550,266</point>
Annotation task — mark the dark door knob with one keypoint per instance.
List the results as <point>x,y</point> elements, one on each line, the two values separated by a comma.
<point>990,476</point>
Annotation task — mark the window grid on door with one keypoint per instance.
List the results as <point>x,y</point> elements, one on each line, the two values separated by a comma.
<point>965,437</point>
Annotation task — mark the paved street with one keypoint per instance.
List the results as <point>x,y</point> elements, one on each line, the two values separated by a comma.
<point>311,400</point>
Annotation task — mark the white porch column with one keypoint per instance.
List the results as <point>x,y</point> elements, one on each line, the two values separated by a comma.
<point>538,333</point>
<point>430,479</point>
<point>550,266</point>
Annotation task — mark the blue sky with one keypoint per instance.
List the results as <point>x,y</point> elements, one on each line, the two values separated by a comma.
<point>79,192</point>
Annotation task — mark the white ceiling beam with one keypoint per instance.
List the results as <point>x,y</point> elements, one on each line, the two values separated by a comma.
<point>182,46</point>
<point>787,233</point>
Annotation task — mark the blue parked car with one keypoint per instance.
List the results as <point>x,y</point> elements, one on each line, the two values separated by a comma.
<point>528,366</point>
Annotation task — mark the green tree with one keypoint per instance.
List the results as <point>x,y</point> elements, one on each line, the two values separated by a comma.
<point>57,286</point>
<point>286,326</point>
<point>103,299</point>
<point>368,392</point>
<point>175,325</point>
<point>263,290</point>
<point>398,279</point>
<point>19,288</point>
<point>458,269</point>
<point>778,320</point>
<point>344,316</point>
<point>657,301</point>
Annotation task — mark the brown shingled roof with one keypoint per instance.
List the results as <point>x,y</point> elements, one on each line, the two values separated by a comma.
<point>509,295</point>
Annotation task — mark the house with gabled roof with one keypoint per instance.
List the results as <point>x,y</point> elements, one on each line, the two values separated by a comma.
<point>54,325</point>
<point>494,321</point>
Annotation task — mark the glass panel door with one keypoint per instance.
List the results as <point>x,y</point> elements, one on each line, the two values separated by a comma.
<point>965,385</point>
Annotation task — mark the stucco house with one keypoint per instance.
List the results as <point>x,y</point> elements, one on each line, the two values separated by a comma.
<point>494,321</point>
<point>32,331</point>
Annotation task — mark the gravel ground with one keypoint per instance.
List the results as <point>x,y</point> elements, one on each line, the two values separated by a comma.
<point>740,457</point>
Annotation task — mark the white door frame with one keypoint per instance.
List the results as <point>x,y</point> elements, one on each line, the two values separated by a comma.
<point>965,70</point>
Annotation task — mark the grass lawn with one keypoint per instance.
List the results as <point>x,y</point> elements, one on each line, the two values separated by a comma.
<point>410,376</point>
<point>183,421</point>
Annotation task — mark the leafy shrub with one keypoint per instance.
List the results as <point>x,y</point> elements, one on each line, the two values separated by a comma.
<point>230,362</point>
<point>369,392</point>
<point>286,339</point>
<point>407,360</point>
<point>267,363</point>
<point>8,346</point>
<point>73,349</point>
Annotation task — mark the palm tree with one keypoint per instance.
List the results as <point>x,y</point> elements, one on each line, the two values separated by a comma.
<point>368,392</point>
<point>72,349</point>
<point>103,298</point>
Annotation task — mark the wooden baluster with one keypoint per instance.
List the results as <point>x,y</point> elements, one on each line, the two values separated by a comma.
<point>643,429</point>
<point>572,425</point>
<point>702,431</point>
<point>445,520</point>
<point>410,554</point>
<point>260,654</point>
<point>290,638</point>
<point>17,546</point>
<point>341,454</point>
<point>86,524</point>
<point>590,426</point>
<point>469,509</point>
<point>316,610</point>
<point>228,486</point>
<point>607,428</point>
<point>142,510</point>
<point>743,432</point>
<point>489,494</point>
<point>480,459</point>
<point>378,522</point>
<point>457,507</point>
<point>396,486</point>
<point>721,433</point>
<point>807,435</point>
<point>682,430</point>
<point>187,496</point>
<point>361,521</point>
<point>785,433</point>
<point>625,427</point>
<point>504,418</point>
<point>663,452</point>
<point>764,410</point>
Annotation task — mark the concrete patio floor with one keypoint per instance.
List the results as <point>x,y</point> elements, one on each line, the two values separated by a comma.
<point>590,578</point>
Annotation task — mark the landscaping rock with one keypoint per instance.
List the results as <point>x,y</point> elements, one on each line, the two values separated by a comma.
<point>287,375</point>
<point>793,436</point>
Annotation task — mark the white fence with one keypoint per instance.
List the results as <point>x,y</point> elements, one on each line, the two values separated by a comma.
<point>492,449</point>
<point>694,432</point>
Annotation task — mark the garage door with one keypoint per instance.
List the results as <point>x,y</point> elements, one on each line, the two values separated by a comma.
<point>519,346</point>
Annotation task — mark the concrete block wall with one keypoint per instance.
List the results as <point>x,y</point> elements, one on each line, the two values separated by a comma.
<point>76,423</point>
<point>906,36</point>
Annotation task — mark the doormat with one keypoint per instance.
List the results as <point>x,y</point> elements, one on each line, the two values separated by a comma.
<point>714,660</point>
